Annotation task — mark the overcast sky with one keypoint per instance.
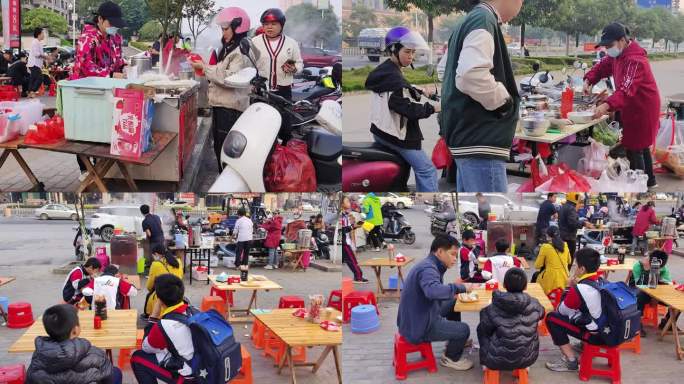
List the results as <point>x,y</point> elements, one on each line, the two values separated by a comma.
<point>256,7</point>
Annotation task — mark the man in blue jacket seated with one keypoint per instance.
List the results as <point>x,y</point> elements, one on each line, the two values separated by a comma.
<point>426,302</point>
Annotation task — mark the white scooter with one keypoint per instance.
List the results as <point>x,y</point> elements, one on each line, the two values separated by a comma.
<point>248,145</point>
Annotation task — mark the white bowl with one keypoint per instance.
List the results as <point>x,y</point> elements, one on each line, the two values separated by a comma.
<point>534,127</point>
<point>581,117</point>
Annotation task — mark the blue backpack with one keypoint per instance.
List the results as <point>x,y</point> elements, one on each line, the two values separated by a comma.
<point>620,319</point>
<point>217,358</point>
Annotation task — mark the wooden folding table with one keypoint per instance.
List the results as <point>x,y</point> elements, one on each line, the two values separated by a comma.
<point>118,331</point>
<point>298,332</point>
<point>674,300</point>
<point>485,298</point>
<point>12,148</point>
<point>377,264</point>
<point>254,286</point>
<point>628,265</point>
<point>296,259</point>
<point>105,160</point>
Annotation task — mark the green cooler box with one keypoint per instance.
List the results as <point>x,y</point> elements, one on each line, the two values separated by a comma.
<point>87,107</point>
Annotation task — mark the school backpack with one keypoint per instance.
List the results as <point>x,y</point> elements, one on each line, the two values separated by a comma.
<point>217,357</point>
<point>620,319</point>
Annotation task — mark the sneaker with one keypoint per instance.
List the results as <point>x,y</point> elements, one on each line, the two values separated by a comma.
<point>377,249</point>
<point>462,364</point>
<point>563,365</point>
<point>276,266</point>
<point>362,281</point>
<point>83,176</point>
<point>268,267</point>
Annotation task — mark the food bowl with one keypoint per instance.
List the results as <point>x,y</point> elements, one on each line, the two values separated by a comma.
<point>535,127</point>
<point>582,117</point>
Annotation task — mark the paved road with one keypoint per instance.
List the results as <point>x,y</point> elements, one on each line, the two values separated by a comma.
<point>356,107</point>
<point>29,250</point>
<point>368,357</point>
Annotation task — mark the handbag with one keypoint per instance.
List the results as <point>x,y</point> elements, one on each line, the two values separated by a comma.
<point>441,157</point>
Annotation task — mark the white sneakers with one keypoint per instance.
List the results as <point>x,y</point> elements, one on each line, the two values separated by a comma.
<point>462,364</point>
<point>268,267</point>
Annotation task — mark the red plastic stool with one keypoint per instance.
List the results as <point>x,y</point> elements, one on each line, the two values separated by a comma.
<point>358,298</point>
<point>245,374</point>
<point>19,315</point>
<point>335,299</point>
<point>213,302</point>
<point>586,368</point>
<point>402,348</point>
<point>258,329</point>
<point>634,344</point>
<point>492,377</point>
<point>274,347</point>
<point>347,286</point>
<point>124,360</point>
<point>650,314</point>
<point>13,374</point>
<point>227,296</point>
<point>290,302</point>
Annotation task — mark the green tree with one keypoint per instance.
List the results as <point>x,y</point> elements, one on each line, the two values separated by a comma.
<point>447,26</point>
<point>394,20</point>
<point>311,26</point>
<point>198,14</point>
<point>361,17</point>
<point>168,13</point>
<point>536,13</point>
<point>135,13</point>
<point>431,8</point>
<point>43,17</point>
<point>150,31</point>
<point>665,21</point>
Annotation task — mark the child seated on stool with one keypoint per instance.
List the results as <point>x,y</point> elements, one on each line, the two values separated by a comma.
<point>64,358</point>
<point>468,254</point>
<point>640,276</point>
<point>508,326</point>
<point>496,266</point>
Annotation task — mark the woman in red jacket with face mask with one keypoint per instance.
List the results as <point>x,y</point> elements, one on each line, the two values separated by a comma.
<point>636,95</point>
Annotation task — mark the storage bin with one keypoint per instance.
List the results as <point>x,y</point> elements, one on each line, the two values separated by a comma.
<point>88,108</point>
<point>30,112</point>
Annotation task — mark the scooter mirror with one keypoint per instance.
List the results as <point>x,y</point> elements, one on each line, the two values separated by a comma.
<point>544,77</point>
<point>535,66</point>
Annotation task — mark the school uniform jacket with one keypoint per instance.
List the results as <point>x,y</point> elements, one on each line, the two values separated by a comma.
<point>272,57</point>
<point>178,333</point>
<point>496,266</point>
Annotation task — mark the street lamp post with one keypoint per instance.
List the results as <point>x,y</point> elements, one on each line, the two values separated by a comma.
<point>74,15</point>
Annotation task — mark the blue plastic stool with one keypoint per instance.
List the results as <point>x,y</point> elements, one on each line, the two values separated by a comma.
<point>4,302</point>
<point>364,319</point>
<point>393,280</point>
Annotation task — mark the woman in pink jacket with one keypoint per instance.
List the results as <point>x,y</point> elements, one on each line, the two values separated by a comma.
<point>644,218</point>
<point>636,95</point>
<point>274,228</point>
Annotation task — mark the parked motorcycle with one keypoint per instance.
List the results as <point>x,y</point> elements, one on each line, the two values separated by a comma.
<point>396,226</point>
<point>369,166</point>
<point>83,244</point>
<point>312,89</point>
<point>321,244</point>
<point>250,142</point>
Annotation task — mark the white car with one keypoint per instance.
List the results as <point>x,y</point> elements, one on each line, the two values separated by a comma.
<point>307,207</point>
<point>106,218</point>
<point>56,211</point>
<point>500,204</point>
<point>399,201</point>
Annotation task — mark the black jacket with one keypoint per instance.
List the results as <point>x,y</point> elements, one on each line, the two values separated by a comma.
<point>568,221</point>
<point>546,211</point>
<point>508,331</point>
<point>4,64</point>
<point>387,77</point>
<point>73,361</point>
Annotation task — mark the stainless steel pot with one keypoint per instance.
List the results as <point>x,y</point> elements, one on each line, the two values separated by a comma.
<point>186,75</point>
<point>142,63</point>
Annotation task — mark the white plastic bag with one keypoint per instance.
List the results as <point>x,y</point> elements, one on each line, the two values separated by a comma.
<point>9,127</point>
<point>670,138</point>
<point>594,160</point>
<point>617,177</point>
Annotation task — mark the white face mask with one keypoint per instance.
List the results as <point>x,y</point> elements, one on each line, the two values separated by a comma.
<point>111,31</point>
<point>613,51</point>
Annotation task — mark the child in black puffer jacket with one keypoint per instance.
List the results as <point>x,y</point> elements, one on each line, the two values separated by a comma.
<point>64,358</point>
<point>508,326</point>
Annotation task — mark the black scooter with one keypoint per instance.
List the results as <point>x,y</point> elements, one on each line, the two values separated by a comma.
<point>396,227</point>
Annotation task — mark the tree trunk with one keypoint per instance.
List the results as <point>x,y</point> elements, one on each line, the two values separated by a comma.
<point>522,35</point>
<point>431,27</point>
<point>567,44</point>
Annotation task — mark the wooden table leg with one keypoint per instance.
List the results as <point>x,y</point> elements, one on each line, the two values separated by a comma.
<point>668,325</point>
<point>94,173</point>
<point>4,156</point>
<point>252,301</point>
<point>22,163</point>
<point>400,281</point>
<point>228,305</point>
<point>127,176</point>
<point>321,358</point>
<point>290,362</point>
<point>281,363</point>
<point>675,332</point>
<point>336,354</point>
<point>378,281</point>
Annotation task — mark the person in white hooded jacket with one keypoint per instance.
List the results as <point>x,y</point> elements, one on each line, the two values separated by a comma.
<point>227,103</point>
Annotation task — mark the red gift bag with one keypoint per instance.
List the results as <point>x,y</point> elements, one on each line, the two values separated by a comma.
<point>441,157</point>
<point>290,169</point>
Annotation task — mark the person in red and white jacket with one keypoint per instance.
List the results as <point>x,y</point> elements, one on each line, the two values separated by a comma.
<point>156,359</point>
<point>496,266</point>
<point>114,289</point>
<point>468,254</point>
<point>576,313</point>
<point>78,279</point>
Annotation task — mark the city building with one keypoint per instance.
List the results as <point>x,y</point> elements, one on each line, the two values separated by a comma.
<point>59,6</point>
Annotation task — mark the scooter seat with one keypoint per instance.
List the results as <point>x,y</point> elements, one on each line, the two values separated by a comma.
<point>311,93</point>
<point>323,145</point>
<point>370,151</point>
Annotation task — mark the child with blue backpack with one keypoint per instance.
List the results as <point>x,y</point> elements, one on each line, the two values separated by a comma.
<point>590,312</point>
<point>167,347</point>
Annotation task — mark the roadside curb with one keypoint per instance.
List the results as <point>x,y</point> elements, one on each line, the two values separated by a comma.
<point>325,266</point>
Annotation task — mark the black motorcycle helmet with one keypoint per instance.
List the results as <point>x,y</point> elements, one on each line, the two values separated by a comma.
<point>273,14</point>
